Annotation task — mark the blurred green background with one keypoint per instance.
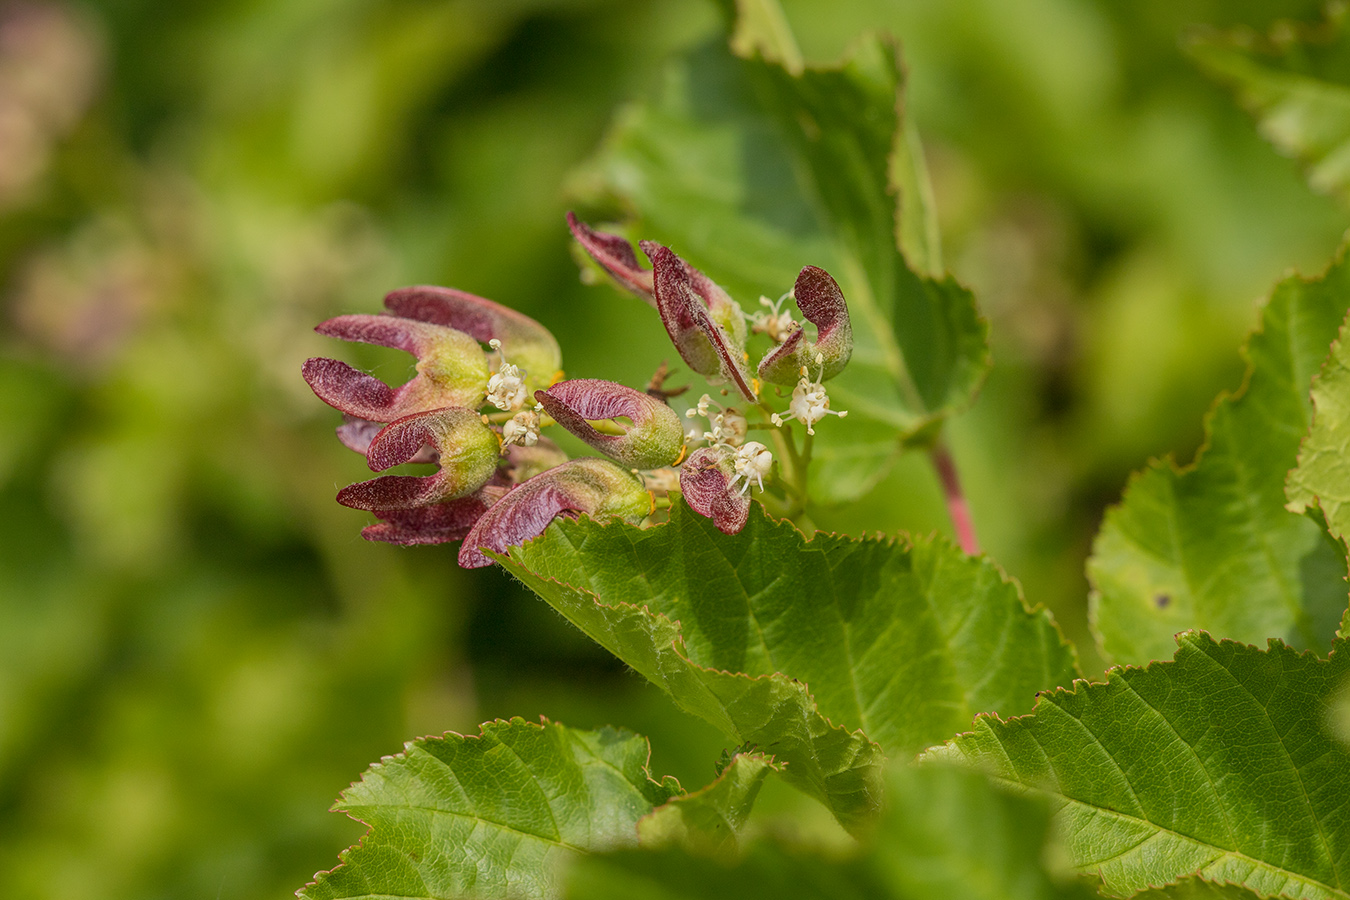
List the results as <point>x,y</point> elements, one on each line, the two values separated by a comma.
<point>197,650</point>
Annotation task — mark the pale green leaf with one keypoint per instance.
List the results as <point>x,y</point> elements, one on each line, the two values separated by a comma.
<point>762,29</point>
<point>1322,478</point>
<point>492,815</point>
<point>1212,546</point>
<point>1216,763</point>
<point>751,173</point>
<point>1304,115</point>
<point>905,641</point>
<point>946,834</point>
<point>708,822</point>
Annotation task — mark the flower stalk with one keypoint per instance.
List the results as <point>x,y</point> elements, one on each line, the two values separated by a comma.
<point>957,507</point>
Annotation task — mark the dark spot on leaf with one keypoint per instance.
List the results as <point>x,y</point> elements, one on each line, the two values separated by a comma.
<point>1162,601</point>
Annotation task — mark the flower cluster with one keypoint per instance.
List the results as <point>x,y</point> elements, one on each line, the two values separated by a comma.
<point>488,380</point>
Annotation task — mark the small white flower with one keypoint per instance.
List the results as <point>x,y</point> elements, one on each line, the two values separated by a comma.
<point>726,426</point>
<point>809,402</point>
<point>777,322</point>
<point>730,427</point>
<point>523,429</point>
<point>751,462</point>
<point>506,388</point>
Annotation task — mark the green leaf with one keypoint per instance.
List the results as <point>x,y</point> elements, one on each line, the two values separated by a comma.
<point>492,815</point>
<point>946,834</point>
<point>708,822</point>
<point>1322,478</point>
<point>839,767</point>
<point>1212,546</point>
<point>906,642</point>
<point>751,172</point>
<point>1216,763</point>
<point>1303,113</point>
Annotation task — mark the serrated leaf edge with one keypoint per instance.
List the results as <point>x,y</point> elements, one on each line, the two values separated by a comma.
<point>1197,876</point>
<point>1295,506</point>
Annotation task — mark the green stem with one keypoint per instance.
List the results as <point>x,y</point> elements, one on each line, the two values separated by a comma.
<point>782,440</point>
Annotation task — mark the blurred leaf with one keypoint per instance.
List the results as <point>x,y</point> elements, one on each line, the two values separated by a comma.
<point>751,172</point>
<point>903,641</point>
<point>32,400</point>
<point>1211,546</point>
<point>708,822</point>
<point>762,29</point>
<point>1322,478</point>
<point>946,834</point>
<point>1305,115</point>
<point>492,816</point>
<point>1214,763</point>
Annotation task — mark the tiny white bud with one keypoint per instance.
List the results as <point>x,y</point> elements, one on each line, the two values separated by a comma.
<point>523,429</point>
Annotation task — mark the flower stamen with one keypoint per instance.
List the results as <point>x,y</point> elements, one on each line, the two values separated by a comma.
<point>777,322</point>
<point>522,429</point>
<point>751,463</point>
<point>810,403</point>
<point>727,426</point>
<point>506,388</point>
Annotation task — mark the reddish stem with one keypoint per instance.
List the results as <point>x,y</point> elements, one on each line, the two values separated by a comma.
<point>957,507</point>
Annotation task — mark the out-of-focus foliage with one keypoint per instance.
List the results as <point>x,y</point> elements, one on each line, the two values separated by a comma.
<point>197,652</point>
<point>1212,546</point>
<point>1294,80</point>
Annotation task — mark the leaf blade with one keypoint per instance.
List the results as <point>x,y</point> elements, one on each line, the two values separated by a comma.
<point>1213,763</point>
<point>841,768</point>
<point>1212,545</point>
<point>491,815</point>
<point>903,643</point>
<point>1321,478</point>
